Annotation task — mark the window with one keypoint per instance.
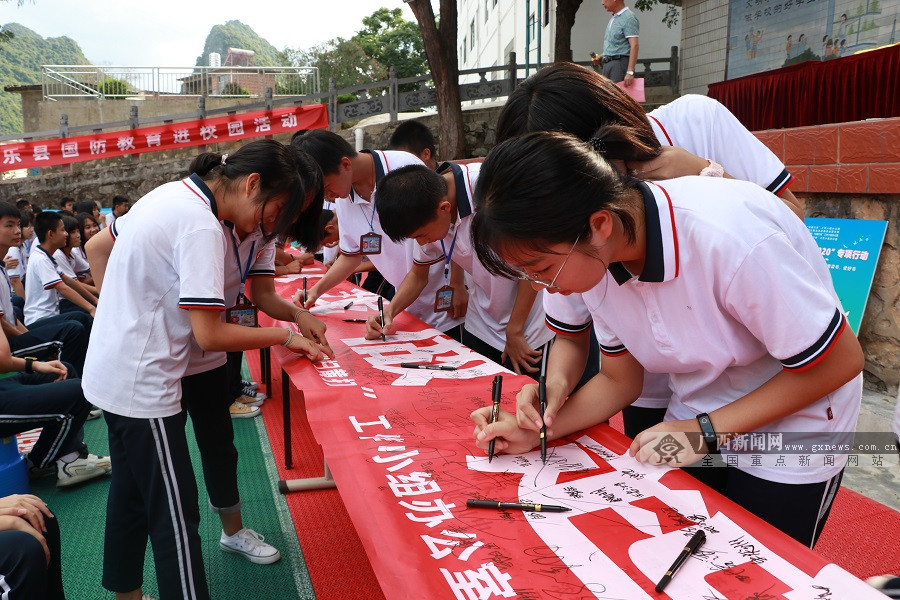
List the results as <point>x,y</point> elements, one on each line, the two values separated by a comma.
<point>472,35</point>
<point>486,7</point>
<point>546,12</point>
<point>495,2</point>
<point>531,27</point>
<point>464,50</point>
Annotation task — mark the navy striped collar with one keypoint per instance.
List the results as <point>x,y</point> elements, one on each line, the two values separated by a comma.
<point>655,256</point>
<point>463,203</point>
<point>204,189</point>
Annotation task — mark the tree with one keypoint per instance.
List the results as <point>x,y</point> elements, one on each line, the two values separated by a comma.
<point>565,20</point>
<point>394,42</point>
<point>440,48</point>
<point>343,59</point>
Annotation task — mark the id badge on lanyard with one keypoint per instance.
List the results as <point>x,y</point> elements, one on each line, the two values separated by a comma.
<point>243,312</point>
<point>443,297</point>
<point>370,243</point>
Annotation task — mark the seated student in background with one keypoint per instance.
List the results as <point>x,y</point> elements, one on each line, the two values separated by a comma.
<point>350,180</point>
<point>67,204</point>
<point>87,206</point>
<point>71,330</point>
<point>44,285</point>
<point>29,549</point>
<point>88,227</point>
<point>48,395</point>
<point>74,265</point>
<point>676,281</point>
<point>503,320</point>
<point>414,137</point>
<point>19,254</point>
<point>120,206</point>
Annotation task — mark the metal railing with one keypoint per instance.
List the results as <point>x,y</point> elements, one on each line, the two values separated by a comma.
<point>82,81</point>
<point>389,96</point>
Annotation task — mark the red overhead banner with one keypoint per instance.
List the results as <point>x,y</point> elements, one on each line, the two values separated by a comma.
<point>61,151</point>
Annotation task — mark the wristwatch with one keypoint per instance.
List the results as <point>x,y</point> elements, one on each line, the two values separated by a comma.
<point>714,169</point>
<point>709,434</point>
<point>629,72</point>
<point>28,364</point>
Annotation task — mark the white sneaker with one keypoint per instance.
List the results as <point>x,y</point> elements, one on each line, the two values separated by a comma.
<point>251,546</point>
<point>249,385</point>
<point>251,399</point>
<point>95,413</point>
<point>81,469</point>
<point>243,411</point>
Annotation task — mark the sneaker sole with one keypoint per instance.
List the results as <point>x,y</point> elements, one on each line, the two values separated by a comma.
<point>260,560</point>
<point>248,415</point>
<point>81,478</point>
<point>254,403</point>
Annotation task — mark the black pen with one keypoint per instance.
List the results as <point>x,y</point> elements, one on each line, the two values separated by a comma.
<point>516,506</point>
<point>695,542</point>
<point>381,312</point>
<point>348,305</point>
<point>304,291</point>
<point>495,410</point>
<point>427,366</point>
<point>354,320</point>
<point>542,398</point>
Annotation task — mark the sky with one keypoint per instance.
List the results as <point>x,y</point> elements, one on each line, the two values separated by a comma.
<point>170,33</point>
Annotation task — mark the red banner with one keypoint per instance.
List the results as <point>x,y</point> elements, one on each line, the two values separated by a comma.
<point>61,151</point>
<point>399,445</point>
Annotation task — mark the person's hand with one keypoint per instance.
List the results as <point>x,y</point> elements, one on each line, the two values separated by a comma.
<point>509,437</point>
<point>11,262</point>
<point>312,294</point>
<point>92,310</point>
<point>523,357</point>
<point>672,162</point>
<point>629,80</point>
<point>528,412</point>
<point>28,507</point>
<point>293,268</point>
<point>668,444</point>
<point>374,329</point>
<point>307,258</point>
<point>460,301</point>
<point>11,523</point>
<point>313,329</point>
<point>53,367</point>
<point>307,348</point>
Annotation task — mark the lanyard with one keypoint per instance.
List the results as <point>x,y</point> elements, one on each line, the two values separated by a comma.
<point>449,255</point>
<point>246,270</point>
<point>371,219</point>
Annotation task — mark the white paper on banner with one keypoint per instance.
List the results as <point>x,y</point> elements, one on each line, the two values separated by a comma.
<point>335,301</point>
<point>401,347</point>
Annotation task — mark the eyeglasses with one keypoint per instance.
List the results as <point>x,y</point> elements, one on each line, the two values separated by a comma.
<point>551,285</point>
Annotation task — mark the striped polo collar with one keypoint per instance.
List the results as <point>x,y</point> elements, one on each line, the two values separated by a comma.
<point>199,187</point>
<point>463,188</point>
<point>661,261</point>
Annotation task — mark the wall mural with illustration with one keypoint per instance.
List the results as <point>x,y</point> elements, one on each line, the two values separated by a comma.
<point>769,34</point>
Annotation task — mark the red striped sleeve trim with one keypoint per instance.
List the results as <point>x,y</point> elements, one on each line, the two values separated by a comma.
<point>818,351</point>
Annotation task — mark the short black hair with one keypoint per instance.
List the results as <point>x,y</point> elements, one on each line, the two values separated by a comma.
<point>27,218</point>
<point>326,147</point>
<point>64,201</point>
<point>306,228</point>
<point>84,206</point>
<point>8,210</point>
<point>117,200</point>
<point>45,222</point>
<point>20,204</point>
<point>70,223</point>
<point>412,136</point>
<point>407,199</point>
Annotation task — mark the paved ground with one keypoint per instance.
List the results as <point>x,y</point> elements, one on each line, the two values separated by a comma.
<point>879,483</point>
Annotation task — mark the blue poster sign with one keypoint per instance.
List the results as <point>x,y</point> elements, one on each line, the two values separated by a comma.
<point>851,248</point>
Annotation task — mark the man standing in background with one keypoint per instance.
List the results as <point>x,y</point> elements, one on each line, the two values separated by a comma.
<point>620,43</point>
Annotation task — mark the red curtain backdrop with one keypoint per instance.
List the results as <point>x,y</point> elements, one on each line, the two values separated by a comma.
<point>853,88</point>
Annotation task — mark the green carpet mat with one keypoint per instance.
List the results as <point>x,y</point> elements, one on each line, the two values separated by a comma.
<point>81,511</point>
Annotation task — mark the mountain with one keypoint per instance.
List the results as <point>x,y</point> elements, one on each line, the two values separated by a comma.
<point>234,34</point>
<point>20,64</point>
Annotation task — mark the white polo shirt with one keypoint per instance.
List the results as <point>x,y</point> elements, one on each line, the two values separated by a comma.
<point>703,126</point>
<point>6,292</point>
<point>357,216</point>
<point>731,293</point>
<point>78,260</point>
<point>19,253</point>
<point>491,298</point>
<point>168,260</point>
<point>71,266</point>
<point>41,300</point>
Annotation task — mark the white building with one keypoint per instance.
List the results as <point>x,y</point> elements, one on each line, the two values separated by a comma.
<point>490,29</point>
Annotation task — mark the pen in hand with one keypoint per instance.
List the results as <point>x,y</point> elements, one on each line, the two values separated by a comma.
<point>381,312</point>
<point>495,410</point>
<point>695,542</point>
<point>542,398</point>
<point>304,291</point>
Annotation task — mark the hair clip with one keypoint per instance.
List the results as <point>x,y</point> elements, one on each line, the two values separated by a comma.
<point>598,145</point>
<point>224,157</point>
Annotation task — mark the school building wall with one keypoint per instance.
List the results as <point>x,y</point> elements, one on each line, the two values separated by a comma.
<point>850,170</point>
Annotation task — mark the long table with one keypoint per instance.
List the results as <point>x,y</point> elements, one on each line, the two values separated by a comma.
<point>399,445</point>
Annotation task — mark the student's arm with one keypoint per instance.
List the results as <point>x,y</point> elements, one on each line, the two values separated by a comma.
<point>291,268</point>
<point>409,291</point>
<point>565,366</point>
<point>262,291</point>
<point>460,293</point>
<point>213,335</point>
<point>74,297</point>
<point>18,288</point>
<point>792,202</point>
<point>617,385</point>
<point>341,270</point>
<point>522,356</point>
<point>97,249</point>
<point>632,60</point>
<point>8,329</point>
<point>784,394</point>
<point>79,289</point>
<point>14,364</point>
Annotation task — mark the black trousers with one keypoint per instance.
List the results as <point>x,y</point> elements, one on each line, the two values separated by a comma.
<point>23,566</point>
<point>636,419</point>
<point>35,400</point>
<point>153,493</point>
<point>481,347</point>
<point>205,396</point>
<point>72,329</point>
